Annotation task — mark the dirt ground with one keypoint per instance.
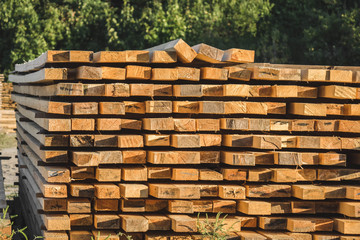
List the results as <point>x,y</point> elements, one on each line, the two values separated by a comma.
<point>11,178</point>
<point>10,171</point>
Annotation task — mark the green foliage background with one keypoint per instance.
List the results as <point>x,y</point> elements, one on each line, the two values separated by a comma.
<point>281,31</point>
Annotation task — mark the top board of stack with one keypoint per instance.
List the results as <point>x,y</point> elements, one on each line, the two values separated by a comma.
<point>141,141</point>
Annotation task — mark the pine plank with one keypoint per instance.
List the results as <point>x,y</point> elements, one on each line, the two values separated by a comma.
<point>56,222</point>
<point>49,124</point>
<point>134,223</point>
<point>208,53</point>
<point>184,52</point>
<point>185,125</point>
<point>337,92</point>
<point>54,56</point>
<point>43,105</point>
<point>50,156</point>
<point>254,207</point>
<point>53,140</point>
<point>238,55</point>
<point>268,190</point>
<point>164,74</point>
<point>138,72</point>
<point>129,56</point>
<point>178,191</point>
<point>59,89</point>
<point>347,226</point>
<point>107,191</point>
<point>111,108</point>
<point>231,192</point>
<point>217,74</point>
<point>163,57</point>
<point>131,190</point>
<point>85,108</point>
<point>107,221</point>
<point>307,109</point>
<point>343,76</point>
<point>188,73</point>
<point>308,192</point>
<point>238,73</point>
<point>44,75</point>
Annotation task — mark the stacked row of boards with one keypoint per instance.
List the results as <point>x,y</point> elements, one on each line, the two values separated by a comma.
<point>141,142</point>
<point>7,107</point>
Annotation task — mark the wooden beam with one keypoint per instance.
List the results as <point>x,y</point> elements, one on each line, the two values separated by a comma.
<point>85,159</point>
<point>134,174</point>
<point>307,109</point>
<point>107,221</point>
<point>107,191</point>
<point>231,192</point>
<point>185,174</point>
<point>164,74</point>
<point>163,57</point>
<point>54,156</point>
<point>344,76</point>
<point>49,124</point>
<point>82,124</point>
<point>238,73</point>
<point>129,56</point>
<point>188,74</point>
<point>347,226</point>
<point>254,207</point>
<point>350,209</point>
<point>44,75</point>
<point>252,141</point>
<point>268,190</point>
<point>208,53</point>
<point>112,108</point>
<point>138,72</point>
<point>56,222</point>
<point>238,55</point>
<point>182,223</point>
<point>178,191</point>
<point>85,108</point>
<point>59,89</point>
<point>108,174</point>
<point>309,224</point>
<point>49,140</point>
<point>131,190</point>
<point>217,74</point>
<point>318,75</point>
<point>337,92</point>
<point>185,125</point>
<point>134,223</point>
<point>157,124</point>
<point>43,105</point>
<point>54,56</point>
<point>158,106</point>
<point>82,190</point>
<point>184,52</point>
<point>132,205</point>
<point>308,192</point>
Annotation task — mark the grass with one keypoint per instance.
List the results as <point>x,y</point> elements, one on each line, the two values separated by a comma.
<point>10,224</point>
<point>213,230</point>
<point>7,140</point>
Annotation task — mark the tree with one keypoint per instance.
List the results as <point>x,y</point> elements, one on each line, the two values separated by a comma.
<point>19,33</point>
<point>281,31</point>
<point>311,32</point>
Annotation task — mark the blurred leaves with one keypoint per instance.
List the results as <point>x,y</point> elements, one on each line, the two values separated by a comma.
<point>281,31</point>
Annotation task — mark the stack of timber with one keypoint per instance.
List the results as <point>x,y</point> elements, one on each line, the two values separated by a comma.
<point>7,107</point>
<point>142,141</point>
